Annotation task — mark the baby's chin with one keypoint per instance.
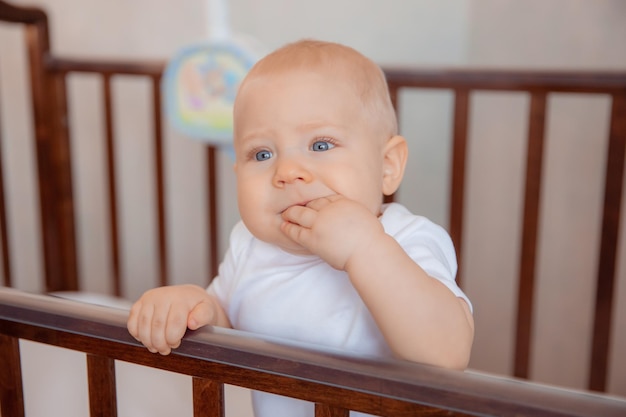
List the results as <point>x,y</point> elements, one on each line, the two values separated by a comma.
<point>287,245</point>
<point>277,238</point>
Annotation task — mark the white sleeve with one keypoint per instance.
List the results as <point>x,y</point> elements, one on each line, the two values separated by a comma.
<point>427,243</point>
<point>223,284</point>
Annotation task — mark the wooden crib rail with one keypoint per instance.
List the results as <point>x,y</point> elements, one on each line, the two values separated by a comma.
<point>49,76</point>
<point>108,69</point>
<point>213,357</point>
<point>539,85</point>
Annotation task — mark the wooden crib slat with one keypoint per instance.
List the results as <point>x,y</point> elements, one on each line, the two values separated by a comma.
<point>102,391</point>
<point>160,183</point>
<point>61,160</point>
<point>11,391</point>
<point>4,233</point>
<point>325,410</point>
<point>457,186</point>
<point>532,193</point>
<point>208,398</point>
<point>608,246</point>
<point>213,232</point>
<point>112,185</point>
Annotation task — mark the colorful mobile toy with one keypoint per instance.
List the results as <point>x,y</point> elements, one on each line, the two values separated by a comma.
<point>200,82</point>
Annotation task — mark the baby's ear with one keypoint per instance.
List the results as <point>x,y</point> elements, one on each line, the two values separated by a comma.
<point>396,152</point>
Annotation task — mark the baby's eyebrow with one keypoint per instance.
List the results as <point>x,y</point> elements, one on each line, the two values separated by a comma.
<point>315,125</point>
<point>254,134</point>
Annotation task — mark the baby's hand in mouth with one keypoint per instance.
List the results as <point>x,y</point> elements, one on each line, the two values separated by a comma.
<point>332,227</point>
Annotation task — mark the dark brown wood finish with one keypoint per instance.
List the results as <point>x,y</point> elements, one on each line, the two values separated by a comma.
<point>212,192</point>
<point>4,232</point>
<point>609,242</point>
<point>332,379</point>
<point>102,393</point>
<point>11,390</point>
<point>457,185</point>
<point>63,198</point>
<point>112,185</point>
<point>208,398</point>
<point>323,410</point>
<point>532,193</point>
<point>159,162</point>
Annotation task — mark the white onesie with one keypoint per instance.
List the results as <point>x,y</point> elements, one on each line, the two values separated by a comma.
<point>266,290</point>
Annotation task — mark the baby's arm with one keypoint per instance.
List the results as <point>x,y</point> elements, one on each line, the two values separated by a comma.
<point>420,318</point>
<point>161,316</point>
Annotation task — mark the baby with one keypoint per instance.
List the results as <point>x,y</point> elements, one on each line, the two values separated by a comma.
<point>317,256</point>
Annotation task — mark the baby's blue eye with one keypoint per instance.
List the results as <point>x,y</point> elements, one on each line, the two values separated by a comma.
<point>263,155</point>
<point>321,146</point>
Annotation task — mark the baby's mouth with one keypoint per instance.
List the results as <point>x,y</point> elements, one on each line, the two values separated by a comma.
<point>303,204</point>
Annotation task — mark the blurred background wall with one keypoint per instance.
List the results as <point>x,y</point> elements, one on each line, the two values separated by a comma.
<point>563,34</point>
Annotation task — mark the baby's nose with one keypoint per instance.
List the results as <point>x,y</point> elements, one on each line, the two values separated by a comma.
<point>289,171</point>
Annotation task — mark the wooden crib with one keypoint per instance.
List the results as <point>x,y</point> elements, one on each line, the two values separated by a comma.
<point>335,383</point>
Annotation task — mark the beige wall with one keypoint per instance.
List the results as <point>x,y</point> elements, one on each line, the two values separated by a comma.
<point>502,33</point>
<point>548,35</point>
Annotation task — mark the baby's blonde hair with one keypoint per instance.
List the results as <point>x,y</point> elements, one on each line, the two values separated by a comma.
<point>367,78</point>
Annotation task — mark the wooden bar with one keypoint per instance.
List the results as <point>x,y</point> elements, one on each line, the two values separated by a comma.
<point>112,183</point>
<point>607,263</point>
<point>208,398</point>
<point>102,391</point>
<point>61,161</point>
<point>457,185</point>
<point>383,387</point>
<point>4,232</point>
<point>160,182</point>
<point>324,410</point>
<point>532,194</point>
<point>212,191</point>
<point>597,82</point>
<point>11,391</point>
<point>28,15</point>
<point>106,66</point>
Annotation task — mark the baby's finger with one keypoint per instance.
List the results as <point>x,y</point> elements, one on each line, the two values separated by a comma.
<point>200,315</point>
<point>132,323</point>
<point>296,233</point>
<point>158,329</point>
<point>175,327</point>
<point>322,202</point>
<point>144,326</point>
<point>300,215</point>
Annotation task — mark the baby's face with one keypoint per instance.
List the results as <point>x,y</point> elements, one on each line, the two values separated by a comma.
<point>301,136</point>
